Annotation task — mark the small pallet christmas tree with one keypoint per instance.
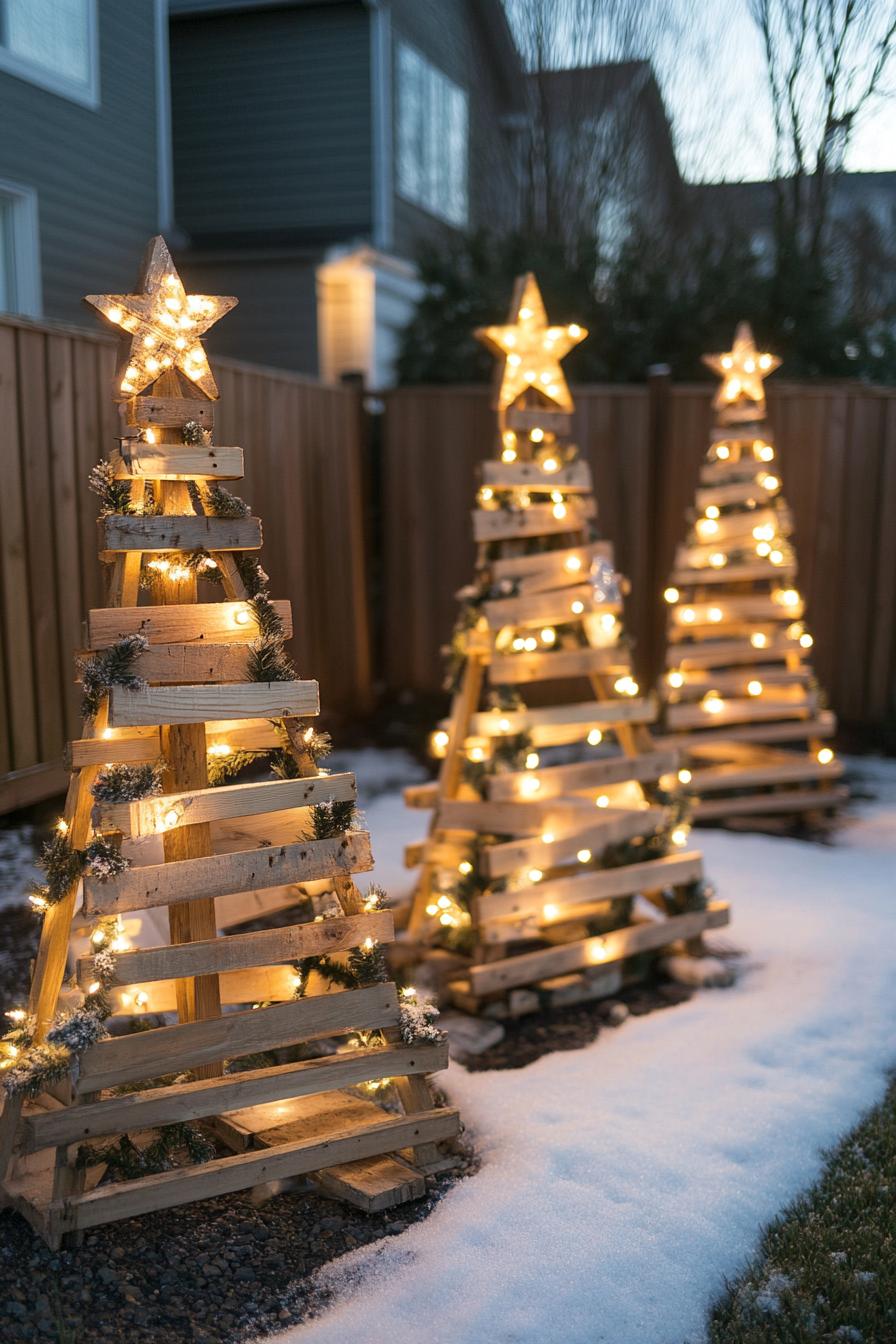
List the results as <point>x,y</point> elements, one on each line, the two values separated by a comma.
<point>547,822</point>
<point>166,684</point>
<point>739,679</point>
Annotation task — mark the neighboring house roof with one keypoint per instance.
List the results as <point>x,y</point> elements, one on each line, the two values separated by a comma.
<point>591,90</point>
<point>753,202</point>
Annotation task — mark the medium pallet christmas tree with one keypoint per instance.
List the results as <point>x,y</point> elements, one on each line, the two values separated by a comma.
<point>550,821</point>
<point>739,678</point>
<point>175,688</point>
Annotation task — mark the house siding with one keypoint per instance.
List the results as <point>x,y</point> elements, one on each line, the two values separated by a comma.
<point>275,321</point>
<point>271,116</point>
<point>451,36</point>
<point>94,170</point>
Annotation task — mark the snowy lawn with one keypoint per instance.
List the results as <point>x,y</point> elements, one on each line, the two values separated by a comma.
<point>622,1183</point>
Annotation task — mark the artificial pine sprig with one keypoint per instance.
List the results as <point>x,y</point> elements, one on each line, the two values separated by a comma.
<point>127,1162</point>
<point>114,495</point>
<point>332,818</point>
<point>128,783</point>
<point>193,433</point>
<point>62,865</point>
<point>223,504</point>
<point>104,860</point>
<point>110,667</point>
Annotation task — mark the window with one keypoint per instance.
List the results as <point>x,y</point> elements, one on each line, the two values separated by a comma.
<point>432,138</point>
<point>19,255</point>
<point>52,43</point>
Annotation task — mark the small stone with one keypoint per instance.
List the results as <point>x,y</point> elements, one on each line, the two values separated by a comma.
<point>331,1224</point>
<point>244,1274</point>
<point>106,1274</point>
<point>699,972</point>
<point>617,1013</point>
<point>15,1309</point>
<point>469,1035</point>
<point>211,1271</point>
<point>395,1228</point>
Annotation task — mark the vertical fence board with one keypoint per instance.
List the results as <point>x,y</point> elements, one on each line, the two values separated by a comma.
<point>304,478</point>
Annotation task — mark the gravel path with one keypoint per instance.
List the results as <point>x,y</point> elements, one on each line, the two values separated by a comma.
<point>223,1270</point>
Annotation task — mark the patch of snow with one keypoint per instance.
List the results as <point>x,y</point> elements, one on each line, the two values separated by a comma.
<point>623,1183</point>
<point>17,867</point>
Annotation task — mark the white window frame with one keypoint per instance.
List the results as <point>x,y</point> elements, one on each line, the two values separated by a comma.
<point>21,202</point>
<point>87,94</point>
<point>420,197</point>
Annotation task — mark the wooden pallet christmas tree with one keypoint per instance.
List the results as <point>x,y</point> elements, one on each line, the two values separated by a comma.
<point>739,679</point>
<point>547,821</point>
<point>173,686</point>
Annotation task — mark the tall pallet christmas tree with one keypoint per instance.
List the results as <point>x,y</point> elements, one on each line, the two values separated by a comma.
<point>547,822</point>
<point>166,685</point>
<point>739,679</point>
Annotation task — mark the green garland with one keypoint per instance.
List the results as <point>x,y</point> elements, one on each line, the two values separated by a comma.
<point>110,667</point>
<point>128,783</point>
<point>127,1162</point>
<point>114,495</point>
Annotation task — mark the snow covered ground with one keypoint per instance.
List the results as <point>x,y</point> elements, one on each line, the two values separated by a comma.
<point>622,1183</point>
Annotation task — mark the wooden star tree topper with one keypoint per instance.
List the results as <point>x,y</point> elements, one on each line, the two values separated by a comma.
<point>531,349</point>
<point>742,370</point>
<point>161,326</point>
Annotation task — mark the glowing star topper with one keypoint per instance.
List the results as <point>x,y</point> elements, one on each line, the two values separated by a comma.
<point>164,324</point>
<point>742,369</point>
<point>532,350</point>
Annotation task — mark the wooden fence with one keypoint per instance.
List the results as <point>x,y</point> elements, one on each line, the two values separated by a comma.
<point>837,450</point>
<point>309,477</point>
<point>305,477</point>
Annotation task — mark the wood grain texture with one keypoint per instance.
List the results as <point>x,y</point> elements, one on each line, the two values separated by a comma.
<point>199,704</point>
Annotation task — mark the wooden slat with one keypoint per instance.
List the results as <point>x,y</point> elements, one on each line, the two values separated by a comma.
<point>761,571</point>
<point>699,681</point>
<point>612,826</point>
<point>532,476</point>
<point>197,704</point>
<point>750,710</point>
<point>735,492</point>
<point>494,976</point>
<point>215,622</point>
<point>143,744</point>
<point>169,811</point>
<point>536,520</point>
<point>553,608</point>
<point>241,951</point>
<point>798,730</point>
<point>587,715</point>
<point>771,804</point>
<point>190,532</point>
<point>568,564</point>
<point>171,412</point>
<point>202,662</point>
<point>555,780</point>
<point>515,669</point>
<point>761,608</point>
<point>128,1199</point>
<point>123,1059</point>
<point>565,893</point>
<point>774,772</point>
<point>229,874</point>
<point>176,462</point>
<point>215,1096</point>
<point>731,652</point>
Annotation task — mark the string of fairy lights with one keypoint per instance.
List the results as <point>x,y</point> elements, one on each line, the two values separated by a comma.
<point>741,535</point>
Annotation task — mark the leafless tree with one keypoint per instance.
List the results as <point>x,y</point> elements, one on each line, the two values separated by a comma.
<point>828,62</point>
<point>593,107</point>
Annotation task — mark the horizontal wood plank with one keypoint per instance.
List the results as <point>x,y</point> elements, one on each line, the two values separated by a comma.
<point>608,827</point>
<point>536,520</point>
<point>184,1102</point>
<point>548,902</point>
<point>198,704</point>
<point>183,1185</point>
<point>229,874</point>
<point>555,780</point>
<point>171,532</point>
<point>214,622</point>
<point>514,669</point>
<point>241,951</point>
<point>495,976</point>
<point>575,476</point>
<point>163,1050</point>
<point>177,462</point>
<point>151,816</point>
